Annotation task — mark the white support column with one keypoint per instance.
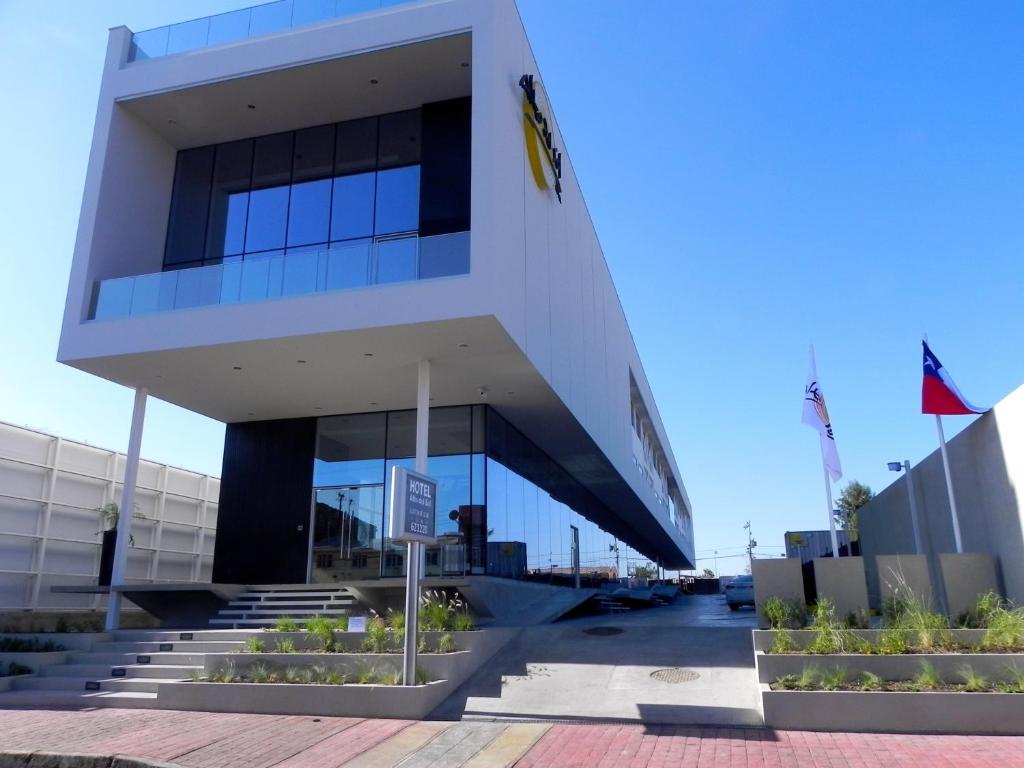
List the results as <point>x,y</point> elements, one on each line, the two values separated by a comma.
<point>949,486</point>
<point>414,549</point>
<point>158,526</point>
<point>831,514</point>
<point>124,521</point>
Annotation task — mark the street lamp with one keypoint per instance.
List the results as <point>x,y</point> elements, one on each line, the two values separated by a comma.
<point>896,466</point>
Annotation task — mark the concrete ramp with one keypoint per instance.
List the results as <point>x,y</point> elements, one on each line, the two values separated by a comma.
<point>521,603</point>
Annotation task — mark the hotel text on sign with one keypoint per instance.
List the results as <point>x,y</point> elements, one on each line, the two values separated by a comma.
<point>413,503</point>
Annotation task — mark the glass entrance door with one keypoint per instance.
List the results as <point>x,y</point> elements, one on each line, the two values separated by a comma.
<point>347,533</point>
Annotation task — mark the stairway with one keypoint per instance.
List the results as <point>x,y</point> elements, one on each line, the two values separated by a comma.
<point>122,671</point>
<point>262,607</point>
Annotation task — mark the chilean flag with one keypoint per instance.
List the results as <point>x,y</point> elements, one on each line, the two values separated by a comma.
<point>939,394</point>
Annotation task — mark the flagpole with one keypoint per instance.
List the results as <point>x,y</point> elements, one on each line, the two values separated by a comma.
<point>949,485</point>
<point>831,517</point>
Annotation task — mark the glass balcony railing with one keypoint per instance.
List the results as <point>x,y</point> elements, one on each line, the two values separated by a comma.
<point>394,260</point>
<point>240,25</point>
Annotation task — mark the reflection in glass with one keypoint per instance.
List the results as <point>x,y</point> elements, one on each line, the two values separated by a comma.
<point>229,200</point>
<point>396,260</point>
<point>347,534</point>
<point>228,27</point>
<point>398,200</point>
<point>312,11</point>
<point>268,217</point>
<point>352,206</point>
<point>444,255</point>
<point>309,212</point>
<point>187,36</point>
<point>300,272</point>
<point>348,265</point>
<point>270,17</point>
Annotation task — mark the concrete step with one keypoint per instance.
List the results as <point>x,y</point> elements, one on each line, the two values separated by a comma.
<point>137,647</point>
<point>323,594</point>
<point>137,684</point>
<point>174,636</point>
<point>287,612</point>
<point>77,698</point>
<point>275,604</point>
<point>266,622</point>
<point>123,659</point>
<point>132,671</point>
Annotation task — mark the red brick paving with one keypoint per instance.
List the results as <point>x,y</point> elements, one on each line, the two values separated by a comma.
<point>210,740</point>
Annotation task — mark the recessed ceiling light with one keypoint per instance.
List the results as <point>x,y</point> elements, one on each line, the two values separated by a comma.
<point>372,403</point>
<point>301,362</point>
<point>251,106</point>
<point>374,81</point>
<point>510,393</point>
<point>237,367</point>
<point>463,346</point>
<point>367,354</point>
<point>464,64</point>
<point>252,413</point>
<point>172,122</point>
<point>318,408</point>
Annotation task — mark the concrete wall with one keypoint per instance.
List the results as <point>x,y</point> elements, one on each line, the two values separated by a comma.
<point>987,465</point>
<point>50,488</point>
<point>776,578</point>
<point>841,579</point>
<point>911,570</point>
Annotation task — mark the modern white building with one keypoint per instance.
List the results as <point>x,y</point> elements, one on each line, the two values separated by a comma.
<point>287,209</point>
<point>51,531</point>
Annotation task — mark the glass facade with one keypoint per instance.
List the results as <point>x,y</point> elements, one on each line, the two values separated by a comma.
<point>336,186</point>
<point>504,508</point>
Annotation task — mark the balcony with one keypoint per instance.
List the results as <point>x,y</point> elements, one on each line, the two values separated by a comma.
<point>243,24</point>
<point>263,278</point>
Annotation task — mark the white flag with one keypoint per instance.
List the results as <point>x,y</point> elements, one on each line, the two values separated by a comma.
<point>816,417</point>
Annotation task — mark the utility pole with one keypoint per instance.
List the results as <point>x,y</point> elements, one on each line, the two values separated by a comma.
<point>750,545</point>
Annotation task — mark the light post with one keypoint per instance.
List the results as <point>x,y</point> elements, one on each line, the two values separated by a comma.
<point>896,466</point>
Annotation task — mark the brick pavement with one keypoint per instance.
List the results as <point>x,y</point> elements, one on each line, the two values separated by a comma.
<point>214,740</point>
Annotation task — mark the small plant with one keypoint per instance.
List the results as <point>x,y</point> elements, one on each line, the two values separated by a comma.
<point>830,635</point>
<point>1014,683</point>
<point>293,675</point>
<point>30,645</point>
<point>869,681</point>
<point>973,682</point>
<point>782,642</point>
<point>396,621</point>
<point>341,624</point>
<point>254,645</point>
<point>446,644</point>
<point>784,614</point>
<point>893,641</point>
<point>858,619</point>
<point>807,680</point>
<point>334,677</point>
<point>438,611</point>
<point>463,622</point>
<point>391,677</point>
<point>421,644</point>
<point>321,630</point>
<point>1004,629</point>
<point>225,674</point>
<point>422,678</point>
<point>259,673</point>
<point>786,682</point>
<point>365,675</point>
<point>284,624</point>
<point>377,638</point>
<point>14,668</point>
<point>285,646</point>
<point>834,679</point>
<point>927,679</point>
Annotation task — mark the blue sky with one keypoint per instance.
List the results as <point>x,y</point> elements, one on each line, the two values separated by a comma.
<point>762,176</point>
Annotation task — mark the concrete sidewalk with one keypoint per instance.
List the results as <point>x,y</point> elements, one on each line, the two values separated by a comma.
<point>613,668</point>
<point>209,740</point>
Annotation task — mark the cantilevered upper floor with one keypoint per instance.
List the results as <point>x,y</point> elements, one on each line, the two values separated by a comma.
<point>288,206</point>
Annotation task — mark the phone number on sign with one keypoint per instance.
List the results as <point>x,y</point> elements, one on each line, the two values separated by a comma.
<point>419,528</point>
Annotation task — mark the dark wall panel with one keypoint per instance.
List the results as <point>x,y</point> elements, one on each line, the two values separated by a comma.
<point>445,167</point>
<point>265,491</point>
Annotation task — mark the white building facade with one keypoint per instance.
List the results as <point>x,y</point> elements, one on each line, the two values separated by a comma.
<point>51,489</point>
<point>287,208</point>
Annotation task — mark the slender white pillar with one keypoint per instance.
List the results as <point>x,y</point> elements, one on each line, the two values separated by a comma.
<point>414,553</point>
<point>831,514</point>
<point>124,519</point>
<point>918,545</point>
<point>949,486</point>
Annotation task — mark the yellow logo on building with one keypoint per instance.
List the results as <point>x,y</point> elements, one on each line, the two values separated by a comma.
<point>545,158</point>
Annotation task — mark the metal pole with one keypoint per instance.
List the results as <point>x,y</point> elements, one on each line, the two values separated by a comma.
<point>412,562</point>
<point>949,485</point>
<point>124,519</point>
<point>918,546</point>
<point>831,516</point>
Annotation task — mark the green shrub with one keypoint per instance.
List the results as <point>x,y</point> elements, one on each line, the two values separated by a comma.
<point>396,621</point>
<point>285,646</point>
<point>927,679</point>
<point>438,611</point>
<point>831,635</point>
<point>30,645</point>
<point>1014,682</point>
<point>377,638</point>
<point>391,677</point>
<point>858,619</point>
<point>446,644</point>
<point>973,682</point>
<point>869,681</point>
<point>254,645</point>
<point>286,625</point>
<point>835,679</point>
<point>1004,629</point>
<point>259,673</point>
<point>782,642</point>
<point>421,644</point>
<point>422,677</point>
<point>365,675</point>
<point>892,641</point>
<point>786,682</point>
<point>463,622</point>
<point>808,679</point>
<point>321,630</point>
<point>783,614</point>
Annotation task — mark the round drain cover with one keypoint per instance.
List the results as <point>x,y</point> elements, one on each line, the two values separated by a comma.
<point>675,675</point>
<point>604,631</point>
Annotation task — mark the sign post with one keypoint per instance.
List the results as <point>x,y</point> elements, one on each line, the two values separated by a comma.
<point>413,503</point>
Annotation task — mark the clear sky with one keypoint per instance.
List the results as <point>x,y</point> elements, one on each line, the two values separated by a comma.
<point>762,176</point>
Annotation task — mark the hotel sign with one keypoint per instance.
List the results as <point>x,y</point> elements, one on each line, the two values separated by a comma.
<point>413,502</point>
<point>545,158</point>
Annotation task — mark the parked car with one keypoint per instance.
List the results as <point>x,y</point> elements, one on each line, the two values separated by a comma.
<point>739,591</point>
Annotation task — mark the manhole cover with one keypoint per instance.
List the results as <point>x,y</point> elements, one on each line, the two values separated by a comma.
<point>675,675</point>
<point>604,631</point>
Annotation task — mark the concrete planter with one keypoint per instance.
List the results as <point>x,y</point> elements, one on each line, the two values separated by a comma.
<point>763,638</point>
<point>993,666</point>
<point>71,641</point>
<point>438,666</point>
<point>383,701</point>
<point>968,713</point>
<point>33,660</point>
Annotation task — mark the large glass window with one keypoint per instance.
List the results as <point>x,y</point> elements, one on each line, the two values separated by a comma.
<point>186,231</point>
<point>229,202</point>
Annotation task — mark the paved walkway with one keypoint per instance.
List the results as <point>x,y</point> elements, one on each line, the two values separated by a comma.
<point>207,740</point>
<point>601,667</point>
